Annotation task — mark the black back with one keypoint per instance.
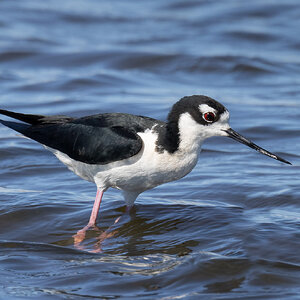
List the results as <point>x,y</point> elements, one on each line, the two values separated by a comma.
<point>98,139</point>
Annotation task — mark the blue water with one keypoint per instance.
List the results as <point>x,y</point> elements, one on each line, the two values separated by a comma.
<point>230,229</point>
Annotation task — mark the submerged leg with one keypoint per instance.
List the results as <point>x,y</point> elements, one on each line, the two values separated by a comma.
<point>80,235</point>
<point>110,232</point>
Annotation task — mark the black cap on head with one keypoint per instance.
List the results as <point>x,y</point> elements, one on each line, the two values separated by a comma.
<point>190,104</point>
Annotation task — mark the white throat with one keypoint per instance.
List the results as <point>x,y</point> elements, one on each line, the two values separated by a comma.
<point>191,135</point>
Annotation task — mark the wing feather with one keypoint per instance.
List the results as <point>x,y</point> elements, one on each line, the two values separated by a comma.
<point>88,144</point>
<point>92,145</point>
<point>97,139</point>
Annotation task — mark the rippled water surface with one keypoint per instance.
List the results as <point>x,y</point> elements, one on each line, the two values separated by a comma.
<point>230,229</point>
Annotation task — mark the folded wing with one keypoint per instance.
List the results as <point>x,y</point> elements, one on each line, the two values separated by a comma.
<point>82,142</point>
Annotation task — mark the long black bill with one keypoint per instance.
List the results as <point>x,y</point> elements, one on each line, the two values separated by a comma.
<point>236,136</point>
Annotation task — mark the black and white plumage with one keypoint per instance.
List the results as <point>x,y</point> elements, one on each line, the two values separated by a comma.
<point>128,152</point>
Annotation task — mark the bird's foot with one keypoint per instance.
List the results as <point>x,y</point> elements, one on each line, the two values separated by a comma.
<point>105,235</point>
<point>79,237</point>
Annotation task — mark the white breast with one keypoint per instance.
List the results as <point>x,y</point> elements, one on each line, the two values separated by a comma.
<point>147,169</point>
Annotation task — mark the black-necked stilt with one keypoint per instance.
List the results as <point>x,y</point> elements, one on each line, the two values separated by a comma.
<point>128,152</point>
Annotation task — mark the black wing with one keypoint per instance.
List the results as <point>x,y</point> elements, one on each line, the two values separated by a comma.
<point>84,139</point>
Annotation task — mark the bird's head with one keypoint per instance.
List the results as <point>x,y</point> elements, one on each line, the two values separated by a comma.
<point>202,117</point>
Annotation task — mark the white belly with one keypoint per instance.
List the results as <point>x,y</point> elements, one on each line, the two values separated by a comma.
<point>141,172</point>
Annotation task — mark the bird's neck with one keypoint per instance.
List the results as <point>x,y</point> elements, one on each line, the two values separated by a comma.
<point>191,135</point>
<point>182,135</point>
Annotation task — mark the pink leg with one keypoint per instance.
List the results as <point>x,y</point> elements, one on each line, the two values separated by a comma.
<point>80,235</point>
<point>96,207</point>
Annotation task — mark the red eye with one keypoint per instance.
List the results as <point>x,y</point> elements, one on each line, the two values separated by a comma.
<point>209,117</point>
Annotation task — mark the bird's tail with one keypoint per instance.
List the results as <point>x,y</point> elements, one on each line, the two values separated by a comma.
<point>27,118</point>
<point>19,127</point>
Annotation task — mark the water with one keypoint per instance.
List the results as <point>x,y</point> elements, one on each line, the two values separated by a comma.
<point>230,229</point>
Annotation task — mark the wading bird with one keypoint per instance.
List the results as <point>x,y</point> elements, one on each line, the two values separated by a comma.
<point>128,152</point>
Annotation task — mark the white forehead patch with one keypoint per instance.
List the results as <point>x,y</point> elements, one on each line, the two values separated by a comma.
<point>224,117</point>
<point>203,108</point>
